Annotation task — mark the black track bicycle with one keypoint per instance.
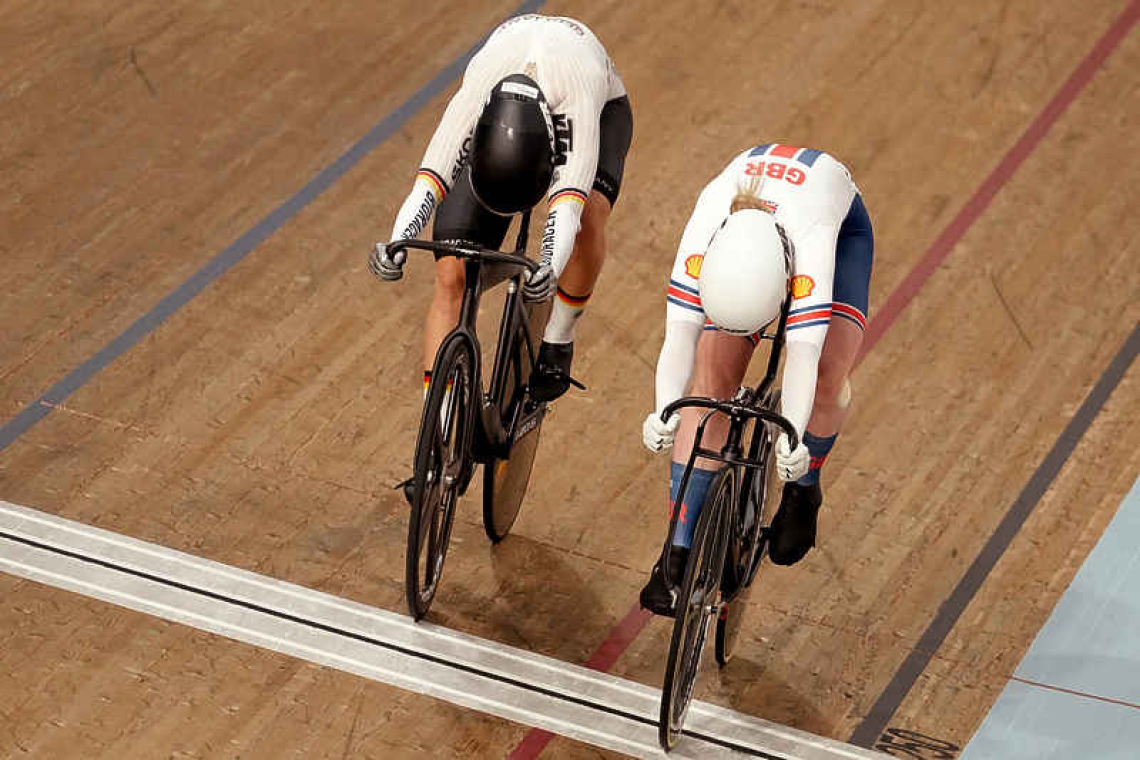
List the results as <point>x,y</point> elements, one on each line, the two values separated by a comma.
<point>464,425</point>
<point>730,538</point>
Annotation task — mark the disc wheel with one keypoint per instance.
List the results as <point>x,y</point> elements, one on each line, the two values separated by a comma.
<point>505,480</point>
<point>442,448</point>
<point>697,603</point>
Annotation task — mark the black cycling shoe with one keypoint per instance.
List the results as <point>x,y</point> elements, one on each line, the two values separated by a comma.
<point>657,597</point>
<point>792,533</point>
<point>409,489</point>
<point>552,375</point>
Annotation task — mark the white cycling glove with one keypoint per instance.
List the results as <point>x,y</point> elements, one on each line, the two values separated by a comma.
<point>658,435</point>
<point>385,265</point>
<point>791,464</point>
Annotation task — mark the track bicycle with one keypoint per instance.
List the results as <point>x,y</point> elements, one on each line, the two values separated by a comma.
<point>731,534</point>
<point>464,425</point>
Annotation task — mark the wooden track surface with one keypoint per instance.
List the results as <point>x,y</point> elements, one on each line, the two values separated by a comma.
<point>263,424</point>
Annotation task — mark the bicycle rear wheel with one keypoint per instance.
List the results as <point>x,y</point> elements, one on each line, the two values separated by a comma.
<point>696,604</point>
<point>505,480</point>
<point>746,547</point>
<point>442,449</point>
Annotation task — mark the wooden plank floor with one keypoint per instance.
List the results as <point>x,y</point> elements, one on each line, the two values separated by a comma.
<point>262,424</point>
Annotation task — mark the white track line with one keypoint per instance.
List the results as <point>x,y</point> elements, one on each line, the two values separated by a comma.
<point>569,700</point>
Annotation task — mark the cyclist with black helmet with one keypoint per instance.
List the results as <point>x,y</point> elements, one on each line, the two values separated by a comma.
<point>541,111</point>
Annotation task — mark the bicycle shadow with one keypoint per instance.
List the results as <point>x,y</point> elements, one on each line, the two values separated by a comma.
<point>526,594</point>
<point>750,685</point>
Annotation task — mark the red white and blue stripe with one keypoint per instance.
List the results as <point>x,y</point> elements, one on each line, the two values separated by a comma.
<point>805,156</point>
<point>849,312</point>
<point>684,296</point>
<point>810,316</point>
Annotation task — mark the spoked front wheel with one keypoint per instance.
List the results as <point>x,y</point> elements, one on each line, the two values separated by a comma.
<point>442,449</point>
<point>697,603</point>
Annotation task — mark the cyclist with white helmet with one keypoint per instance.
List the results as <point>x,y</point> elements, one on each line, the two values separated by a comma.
<point>541,111</point>
<point>777,217</point>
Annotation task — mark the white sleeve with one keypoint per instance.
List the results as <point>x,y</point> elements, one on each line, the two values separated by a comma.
<point>684,316</point>
<point>563,220</point>
<point>675,364</point>
<point>812,287</point>
<point>446,154</point>
<point>417,209</point>
<point>801,368</point>
<point>577,127</point>
<point>812,284</point>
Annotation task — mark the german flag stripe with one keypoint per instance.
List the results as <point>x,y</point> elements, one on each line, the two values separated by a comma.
<point>434,180</point>
<point>569,194</point>
<point>683,296</point>
<point>570,300</point>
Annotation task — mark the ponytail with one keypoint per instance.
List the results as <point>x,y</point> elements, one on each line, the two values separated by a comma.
<point>748,197</point>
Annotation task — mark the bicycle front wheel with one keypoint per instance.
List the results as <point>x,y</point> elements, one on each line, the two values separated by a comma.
<point>442,449</point>
<point>697,603</point>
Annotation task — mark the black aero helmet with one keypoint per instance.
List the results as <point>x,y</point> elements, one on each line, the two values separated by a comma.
<point>512,149</point>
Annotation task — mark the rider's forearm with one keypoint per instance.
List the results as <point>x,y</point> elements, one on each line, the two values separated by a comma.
<point>563,221</point>
<point>417,209</point>
<point>801,367</point>
<point>675,364</point>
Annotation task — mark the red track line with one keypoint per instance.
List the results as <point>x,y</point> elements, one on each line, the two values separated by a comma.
<point>636,619</point>
<point>940,249</point>
<point>603,659</point>
<point>1084,694</point>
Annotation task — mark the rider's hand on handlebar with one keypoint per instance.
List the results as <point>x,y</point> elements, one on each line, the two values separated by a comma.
<point>385,265</point>
<point>791,464</point>
<point>658,435</point>
<point>540,284</point>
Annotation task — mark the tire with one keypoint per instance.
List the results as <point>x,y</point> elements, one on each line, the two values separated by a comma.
<point>696,602</point>
<point>728,624</point>
<point>443,449</point>
<point>746,549</point>
<point>505,480</point>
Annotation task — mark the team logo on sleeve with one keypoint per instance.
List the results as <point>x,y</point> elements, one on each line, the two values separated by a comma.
<point>802,286</point>
<point>693,266</point>
<point>563,137</point>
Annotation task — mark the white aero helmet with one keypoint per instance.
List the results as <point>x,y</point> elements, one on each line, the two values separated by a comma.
<point>744,275</point>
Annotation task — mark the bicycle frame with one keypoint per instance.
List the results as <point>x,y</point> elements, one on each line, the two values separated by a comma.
<point>484,269</point>
<point>747,404</point>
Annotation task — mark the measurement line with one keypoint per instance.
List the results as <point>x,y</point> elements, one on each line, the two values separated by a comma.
<point>573,701</point>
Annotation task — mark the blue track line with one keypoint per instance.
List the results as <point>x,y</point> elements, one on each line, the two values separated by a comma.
<point>240,248</point>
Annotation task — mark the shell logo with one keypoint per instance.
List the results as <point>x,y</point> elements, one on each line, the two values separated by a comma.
<point>802,286</point>
<point>693,266</point>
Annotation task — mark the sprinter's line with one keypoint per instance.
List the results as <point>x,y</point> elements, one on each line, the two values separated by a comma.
<point>576,702</point>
